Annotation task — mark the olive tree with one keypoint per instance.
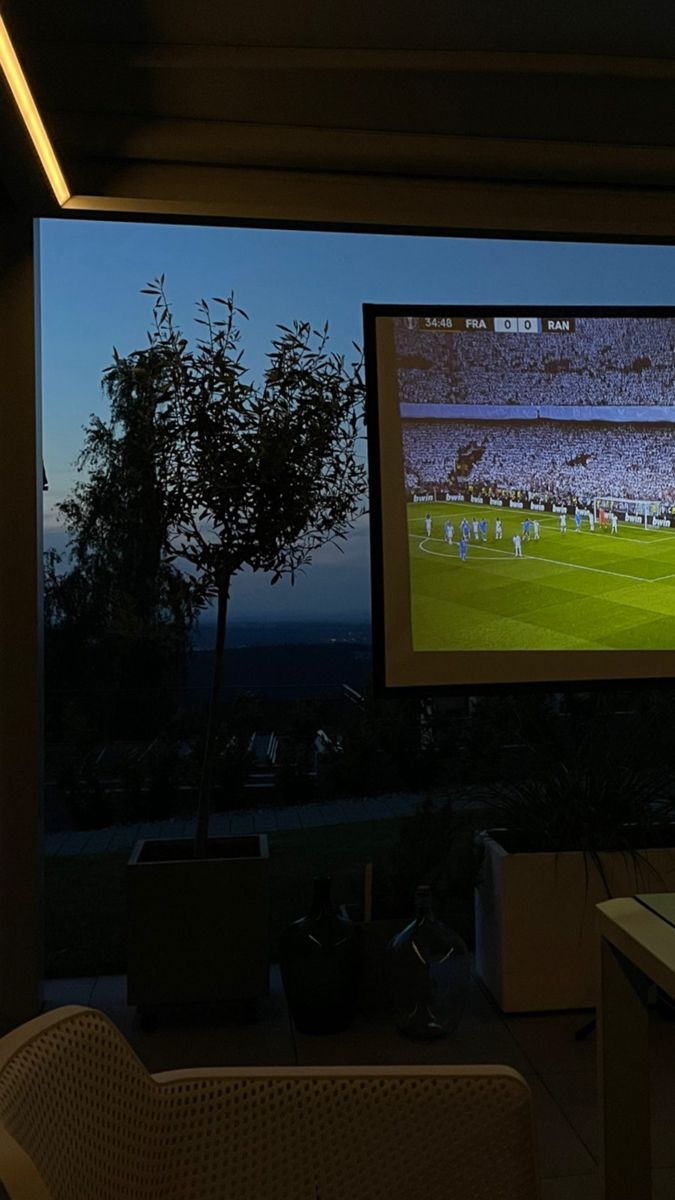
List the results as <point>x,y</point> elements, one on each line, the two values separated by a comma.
<point>261,475</point>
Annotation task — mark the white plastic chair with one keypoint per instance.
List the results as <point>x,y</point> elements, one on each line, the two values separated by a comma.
<point>82,1119</point>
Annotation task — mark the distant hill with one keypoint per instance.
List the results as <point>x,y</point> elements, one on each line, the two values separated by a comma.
<point>291,670</point>
<point>284,633</point>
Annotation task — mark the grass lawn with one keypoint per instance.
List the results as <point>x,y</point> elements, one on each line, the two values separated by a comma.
<point>580,591</point>
<point>85,903</point>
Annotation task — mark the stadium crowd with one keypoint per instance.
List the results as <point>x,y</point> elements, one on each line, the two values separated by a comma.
<point>547,460</point>
<point>619,361</point>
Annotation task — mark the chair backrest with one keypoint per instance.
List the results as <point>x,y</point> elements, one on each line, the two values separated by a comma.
<point>76,1109</point>
<point>351,1133</point>
<point>81,1119</point>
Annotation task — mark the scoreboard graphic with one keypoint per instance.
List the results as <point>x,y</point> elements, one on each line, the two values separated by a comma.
<point>490,324</point>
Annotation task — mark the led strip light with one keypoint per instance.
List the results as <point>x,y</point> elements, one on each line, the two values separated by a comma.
<point>26,105</point>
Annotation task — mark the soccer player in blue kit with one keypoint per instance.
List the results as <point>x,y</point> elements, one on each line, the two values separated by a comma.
<point>462,547</point>
<point>483,529</point>
<point>577,521</point>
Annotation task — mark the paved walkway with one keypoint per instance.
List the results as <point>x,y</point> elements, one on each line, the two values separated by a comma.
<point>233,824</point>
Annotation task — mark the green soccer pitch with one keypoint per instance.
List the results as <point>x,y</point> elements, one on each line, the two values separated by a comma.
<point>572,591</point>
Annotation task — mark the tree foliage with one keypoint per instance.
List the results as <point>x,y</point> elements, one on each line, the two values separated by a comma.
<point>120,516</point>
<point>118,618</point>
<point>260,476</point>
<point>200,473</point>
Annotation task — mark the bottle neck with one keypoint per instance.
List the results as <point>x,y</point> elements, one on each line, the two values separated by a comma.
<point>322,905</point>
<point>423,905</point>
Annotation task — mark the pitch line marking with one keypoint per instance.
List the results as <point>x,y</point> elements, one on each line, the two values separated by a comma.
<point>539,558</point>
<point>654,537</point>
<point>551,523</point>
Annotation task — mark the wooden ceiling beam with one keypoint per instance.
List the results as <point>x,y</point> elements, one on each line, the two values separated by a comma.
<point>328,58</point>
<point>233,144</point>
<point>367,202</point>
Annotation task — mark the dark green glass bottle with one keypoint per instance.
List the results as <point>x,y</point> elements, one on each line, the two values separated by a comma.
<point>320,964</point>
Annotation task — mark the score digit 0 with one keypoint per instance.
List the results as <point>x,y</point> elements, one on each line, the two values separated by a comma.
<point>517,325</point>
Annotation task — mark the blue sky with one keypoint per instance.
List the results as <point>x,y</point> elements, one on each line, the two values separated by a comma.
<point>92,273</point>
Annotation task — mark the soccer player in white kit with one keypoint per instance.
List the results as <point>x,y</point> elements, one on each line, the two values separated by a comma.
<point>449,532</point>
<point>591,521</point>
<point>563,523</point>
<point>614,520</point>
<point>498,530</point>
<point>517,548</point>
<point>475,529</point>
<point>427,524</point>
<point>535,524</point>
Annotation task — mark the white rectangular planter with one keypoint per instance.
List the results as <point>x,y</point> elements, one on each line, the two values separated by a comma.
<point>536,941</point>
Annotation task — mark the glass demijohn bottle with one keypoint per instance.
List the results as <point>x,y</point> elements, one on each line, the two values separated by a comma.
<point>429,966</point>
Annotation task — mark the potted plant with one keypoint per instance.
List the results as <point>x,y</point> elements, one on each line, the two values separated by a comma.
<point>254,477</point>
<point>591,823</point>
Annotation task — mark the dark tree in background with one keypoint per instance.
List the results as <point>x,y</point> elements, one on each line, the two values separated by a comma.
<point>118,619</point>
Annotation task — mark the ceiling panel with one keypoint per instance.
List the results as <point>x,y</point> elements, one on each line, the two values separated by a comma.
<point>567,108</point>
<point>605,26</point>
<point>298,148</point>
<point>156,93</point>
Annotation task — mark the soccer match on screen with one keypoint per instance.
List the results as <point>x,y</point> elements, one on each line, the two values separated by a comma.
<point>538,457</point>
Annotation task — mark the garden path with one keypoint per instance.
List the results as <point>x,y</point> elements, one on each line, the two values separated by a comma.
<point>237,823</point>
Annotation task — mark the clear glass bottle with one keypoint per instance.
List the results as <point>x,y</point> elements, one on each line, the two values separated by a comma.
<point>430,972</point>
<point>320,963</point>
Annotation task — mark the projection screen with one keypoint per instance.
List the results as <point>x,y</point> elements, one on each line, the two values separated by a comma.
<point>522,494</point>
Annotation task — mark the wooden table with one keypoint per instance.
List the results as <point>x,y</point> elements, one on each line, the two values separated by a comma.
<point>637,947</point>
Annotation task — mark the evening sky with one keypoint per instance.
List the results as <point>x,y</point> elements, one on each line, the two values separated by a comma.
<point>92,273</point>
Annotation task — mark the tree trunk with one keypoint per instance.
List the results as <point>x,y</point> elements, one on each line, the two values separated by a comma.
<point>204,800</point>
